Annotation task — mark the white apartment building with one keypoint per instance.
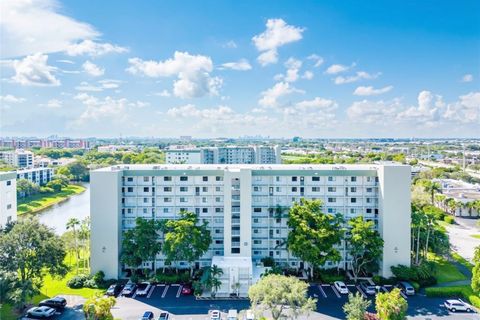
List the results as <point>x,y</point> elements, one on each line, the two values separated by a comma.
<point>224,155</point>
<point>8,198</point>
<point>18,158</point>
<point>40,175</point>
<point>246,208</point>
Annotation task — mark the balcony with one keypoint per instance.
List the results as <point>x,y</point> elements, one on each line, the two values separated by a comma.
<point>235,220</point>
<point>235,244</point>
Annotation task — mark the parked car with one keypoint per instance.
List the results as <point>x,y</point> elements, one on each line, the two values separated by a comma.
<point>367,288</point>
<point>187,289</point>
<point>55,302</point>
<point>249,315</point>
<point>407,288</point>
<point>164,316</point>
<point>41,312</point>
<point>143,288</point>
<point>114,290</point>
<point>232,314</point>
<point>129,289</point>
<point>215,315</point>
<point>457,305</point>
<point>147,315</point>
<point>341,287</point>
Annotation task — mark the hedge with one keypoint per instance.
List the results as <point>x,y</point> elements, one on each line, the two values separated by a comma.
<point>464,292</point>
<point>449,219</point>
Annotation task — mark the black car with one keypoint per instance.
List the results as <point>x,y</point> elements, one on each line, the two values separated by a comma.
<point>56,303</point>
<point>114,290</point>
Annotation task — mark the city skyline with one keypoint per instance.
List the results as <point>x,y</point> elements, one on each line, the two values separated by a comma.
<point>169,69</point>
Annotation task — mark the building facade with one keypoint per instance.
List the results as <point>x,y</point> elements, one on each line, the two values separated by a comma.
<point>40,175</point>
<point>18,158</point>
<point>45,143</point>
<point>8,198</point>
<point>224,155</point>
<point>246,207</point>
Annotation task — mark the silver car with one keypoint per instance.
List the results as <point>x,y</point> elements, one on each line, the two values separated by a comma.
<point>41,312</point>
<point>457,305</point>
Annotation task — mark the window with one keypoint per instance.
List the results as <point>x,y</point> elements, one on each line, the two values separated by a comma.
<point>145,200</point>
<point>235,250</point>
<point>145,210</point>
<point>330,210</point>
<point>332,200</point>
<point>146,179</point>
<point>9,183</point>
<point>130,189</point>
<point>167,199</point>
<point>369,189</point>
<point>369,210</point>
<point>278,189</point>
<point>294,189</point>
<point>257,241</point>
<point>218,231</point>
<point>315,189</point>
<point>331,179</point>
<point>369,179</point>
<point>255,220</point>
<point>277,178</point>
<point>315,178</point>
<point>218,189</point>
<point>183,178</point>
<point>218,210</point>
<point>167,178</point>
<point>353,179</point>
<point>204,189</point>
<point>353,200</point>
<point>204,178</point>
<point>294,178</point>
<point>165,210</point>
<point>332,189</point>
<point>130,179</point>
<point>146,189</point>
<point>257,209</point>
<point>9,206</point>
<point>182,199</point>
<point>255,230</point>
<point>218,199</point>
<point>277,231</point>
<point>278,220</point>
<point>352,210</point>
<point>353,189</point>
<point>167,189</point>
<point>218,241</point>
<point>183,189</point>
<point>218,178</point>
<point>204,200</point>
<point>256,188</point>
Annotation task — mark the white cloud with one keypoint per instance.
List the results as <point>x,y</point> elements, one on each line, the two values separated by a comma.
<point>240,65</point>
<point>373,112</point>
<point>360,75</point>
<point>12,99</point>
<point>94,49</point>
<point>317,103</point>
<point>66,61</point>
<point>163,93</point>
<point>31,26</point>
<point>192,72</point>
<point>465,110</point>
<point>318,61</point>
<point>277,34</point>
<point>230,44</point>
<point>291,75</point>
<point>102,84</point>
<point>467,78</point>
<point>428,112</point>
<point>110,83</point>
<point>92,69</point>
<point>34,71</point>
<point>54,103</point>
<point>271,96</point>
<point>100,109</point>
<point>371,91</point>
<point>338,68</point>
<point>307,75</point>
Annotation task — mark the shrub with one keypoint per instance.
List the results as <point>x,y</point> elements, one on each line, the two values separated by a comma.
<point>449,219</point>
<point>90,283</point>
<point>382,281</point>
<point>78,281</point>
<point>46,190</point>
<point>166,278</point>
<point>465,292</point>
<point>99,278</point>
<point>420,274</point>
<point>268,261</point>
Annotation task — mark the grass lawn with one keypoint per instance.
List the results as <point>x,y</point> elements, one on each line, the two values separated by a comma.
<point>41,201</point>
<point>462,260</point>
<point>445,271</point>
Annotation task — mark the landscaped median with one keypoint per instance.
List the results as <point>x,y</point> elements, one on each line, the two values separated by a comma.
<point>39,202</point>
<point>464,292</point>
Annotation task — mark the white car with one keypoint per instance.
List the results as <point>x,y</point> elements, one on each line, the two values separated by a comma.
<point>41,312</point>
<point>341,287</point>
<point>249,315</point>
<point>215,315</point>
<point>457,305</point>
<point>143,288</point>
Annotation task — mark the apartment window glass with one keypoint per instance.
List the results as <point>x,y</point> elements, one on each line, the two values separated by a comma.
<point>369,200</point>
<point>218,178</point>
<point>257,209</point>
<point>217,189</point>
<point>353,179</point>
<point>278,189</point>
<point>218,199</point>
<point>204,210</point>
<point>315,189</point>
<point>257,241</point>
<point>145,189</point>
<point>167,178</point>
<point>294,189</point>
<point>218,210</point>
<point>315,178</point>
<point>353,200</point>
<point>294,178</point>
<point>255,220</point>
<point>9,206</point>
<point>255,230</point>
<point>217,231</point>
<point>353,189</point>
<point>369,190</point>
<point>277,178</point>
<point>331,178</point>
<point>9,183</point>
<point>130,189</point>
<point>183,189</point>
<point>182,199</point>
<point>167,189</point>
<point>165,210</point>
<point>183,178</point>
<point>352,210</point>
<point>332,200</point>
<point>369,210</point>
<point>204,178</point>
<point>145,210</point>
<point>146,179</point>
<point>332,189</point>
<point>145,200</point>
<point>167,199</point>
<point>130,179</point>
<point>204,200</point>
<point>256,189</point>
<point>205,189</point>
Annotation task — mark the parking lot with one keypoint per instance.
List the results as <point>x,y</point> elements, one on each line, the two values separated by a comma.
<point>329,305</point>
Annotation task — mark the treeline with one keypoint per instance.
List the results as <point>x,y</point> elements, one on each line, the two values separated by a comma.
<point>330,157</point>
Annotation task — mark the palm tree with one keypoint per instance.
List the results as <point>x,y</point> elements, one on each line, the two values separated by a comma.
<point>432,188</point>
<point>216,284</point>
<point>84,237</point>
<point>73,223</point>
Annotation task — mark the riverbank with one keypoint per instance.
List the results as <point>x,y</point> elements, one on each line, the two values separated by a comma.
<point>39,202</point>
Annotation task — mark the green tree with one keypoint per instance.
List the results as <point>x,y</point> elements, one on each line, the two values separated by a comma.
<point>30,250</point>
<point>185,239</point>
<point>98,307</point>
<point>391,305</point>
<point>26,188</point>
<point>356,307</point>
<point>281,295</point>
<point>74,223</point>
<point>56,185</point>
<point>314,235</point>
<point>210,279</point>
<point>365,246</point>
<point>432,188</point>
<point>476,270</point>
<point>141,243</point>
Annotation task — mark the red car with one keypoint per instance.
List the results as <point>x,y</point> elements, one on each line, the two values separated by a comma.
<point>187,289</point>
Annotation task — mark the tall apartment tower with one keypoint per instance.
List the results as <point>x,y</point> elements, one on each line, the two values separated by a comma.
<point>8,198</point>
<point>246,207</point>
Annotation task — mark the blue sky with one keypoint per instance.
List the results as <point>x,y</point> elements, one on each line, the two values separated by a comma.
<point>225,68</point>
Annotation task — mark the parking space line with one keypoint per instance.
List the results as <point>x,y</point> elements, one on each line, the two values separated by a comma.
<point>165,291</point>
<point>403,295</point>
<point>150,292</point>
<point>134,295</point>
<point>384,289</point>
<point>336,292</point>
<point>323,292</point>
<point>179,291</point>
<point>361,291</point>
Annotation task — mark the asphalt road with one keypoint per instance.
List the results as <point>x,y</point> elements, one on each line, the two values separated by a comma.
<point>461,237</point>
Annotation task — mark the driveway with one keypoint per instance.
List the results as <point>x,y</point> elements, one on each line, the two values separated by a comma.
<point>461,238</point>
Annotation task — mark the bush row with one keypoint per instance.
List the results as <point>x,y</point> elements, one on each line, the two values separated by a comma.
<point>87,281</point>
<point>465,292</point>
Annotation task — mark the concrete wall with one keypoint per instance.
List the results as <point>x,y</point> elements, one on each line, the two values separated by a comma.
<point>105,215</point>
<point>8,197</point>
<point>394,216</point>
